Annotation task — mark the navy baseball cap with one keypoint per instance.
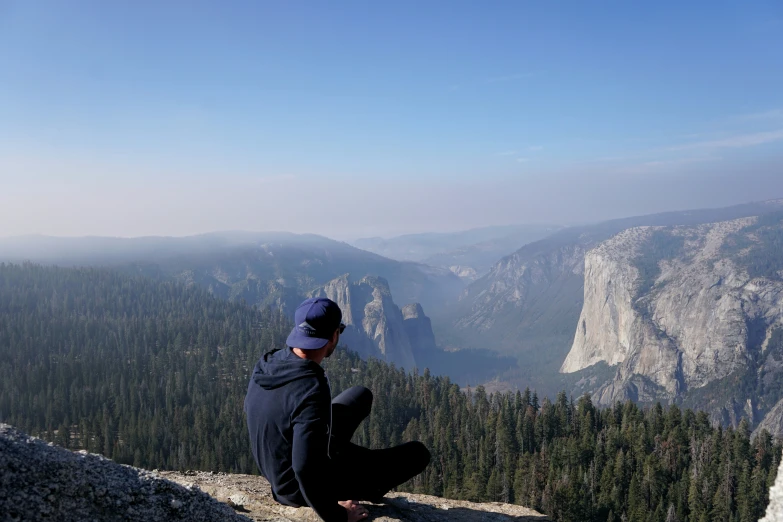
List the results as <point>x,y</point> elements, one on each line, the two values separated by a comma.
<point>316,319</point>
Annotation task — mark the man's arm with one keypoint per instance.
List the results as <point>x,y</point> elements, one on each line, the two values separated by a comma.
<point>310,460</point>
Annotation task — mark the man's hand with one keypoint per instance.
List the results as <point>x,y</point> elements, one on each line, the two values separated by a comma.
<point>355,510</point>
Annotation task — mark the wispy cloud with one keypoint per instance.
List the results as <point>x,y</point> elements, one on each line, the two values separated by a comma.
<point>535,148</point>
<point>523,160</point>
<point>735,142</point>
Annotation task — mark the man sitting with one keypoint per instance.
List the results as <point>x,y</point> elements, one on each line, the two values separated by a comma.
<point>300,437</point>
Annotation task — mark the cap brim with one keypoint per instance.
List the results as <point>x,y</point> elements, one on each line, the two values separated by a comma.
<point>303,342</point>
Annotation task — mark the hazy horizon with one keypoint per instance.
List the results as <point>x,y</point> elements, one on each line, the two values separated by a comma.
<point>353,120</point>
<point>352,238</point>
<point>229,231</point>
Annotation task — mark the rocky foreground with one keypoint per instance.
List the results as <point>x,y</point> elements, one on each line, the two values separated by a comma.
<point>40,481</point>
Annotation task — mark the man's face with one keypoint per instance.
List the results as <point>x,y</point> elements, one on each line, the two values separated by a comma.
<point>336,339</point>
<point>332,346</point>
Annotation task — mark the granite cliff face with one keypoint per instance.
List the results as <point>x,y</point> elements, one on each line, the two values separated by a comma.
<point>678,308</point>
<point>610,321</point>
<point>376,327</point>
<point>529,305</point>
<point>418,327</point>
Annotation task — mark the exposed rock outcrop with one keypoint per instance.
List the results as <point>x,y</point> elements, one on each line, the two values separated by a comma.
<point>467,273</point>
<point>40,481</point>
<point>418,327</point>
<point>606,324</point>
<point>672,309</point>
<point>251,496</point>
<point>773,421</point>
<point>774,511</point>
<point>375,325</point>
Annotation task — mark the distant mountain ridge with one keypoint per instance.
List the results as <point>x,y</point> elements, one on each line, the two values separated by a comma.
<point>275,268</point>
<point>468,253</point>
<point>417,247</point>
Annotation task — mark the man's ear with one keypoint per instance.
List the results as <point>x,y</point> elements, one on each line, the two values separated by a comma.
<point>334,336</point>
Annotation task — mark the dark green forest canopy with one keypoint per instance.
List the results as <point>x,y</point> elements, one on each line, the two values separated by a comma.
<point>154,374</point>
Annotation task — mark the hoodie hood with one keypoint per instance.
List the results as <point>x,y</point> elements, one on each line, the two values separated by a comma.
<point>279,367</point>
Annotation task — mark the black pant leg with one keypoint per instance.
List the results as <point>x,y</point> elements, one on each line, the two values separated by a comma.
<point>397,465</point>
<point>349,409</point>
<point>364,474</point>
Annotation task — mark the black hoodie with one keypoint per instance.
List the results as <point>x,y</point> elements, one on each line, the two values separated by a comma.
<point>288,407</point>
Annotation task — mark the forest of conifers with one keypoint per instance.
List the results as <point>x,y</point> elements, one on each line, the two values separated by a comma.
<point>154,375</point>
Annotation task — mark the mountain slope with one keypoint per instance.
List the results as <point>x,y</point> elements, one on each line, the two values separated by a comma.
<point>773,421</point>
<point>261,268</point>
<point>530,302</point>
<point>469,252</point>
<point>475,260</point>
<point>679,308</point>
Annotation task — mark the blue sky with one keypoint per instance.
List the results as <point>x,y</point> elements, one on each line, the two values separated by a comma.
<point>365,118</point>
